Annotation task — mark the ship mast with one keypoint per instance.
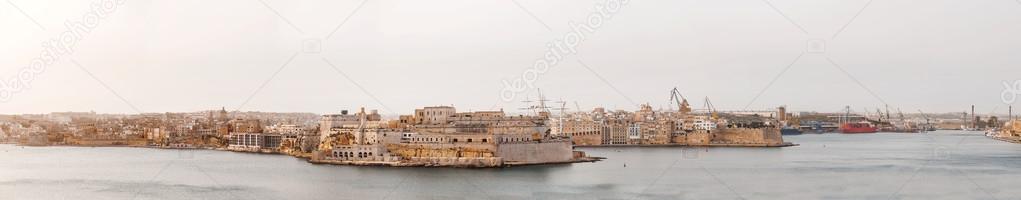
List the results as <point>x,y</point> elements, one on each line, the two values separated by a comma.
<point>539,110</point>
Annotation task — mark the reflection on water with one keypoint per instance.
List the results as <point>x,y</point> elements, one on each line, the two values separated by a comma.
<point>942,165</point>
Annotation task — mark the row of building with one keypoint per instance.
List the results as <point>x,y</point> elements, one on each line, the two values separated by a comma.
<point>649,127</point>
<point>441,136</point>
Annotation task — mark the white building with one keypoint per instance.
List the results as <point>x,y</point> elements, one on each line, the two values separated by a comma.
<point>253,141</point>
<point>702,124</point>
<point>634,131</point>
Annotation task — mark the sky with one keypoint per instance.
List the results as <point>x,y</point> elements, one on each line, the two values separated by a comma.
<point>397,55</point>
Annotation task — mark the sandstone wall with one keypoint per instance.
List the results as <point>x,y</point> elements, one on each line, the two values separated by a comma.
<point>587,139</point>
<point>697,138</point>
<point>747,136</point>
<point>534,153</point>
<point>442,150</point>
<point>457,162</point>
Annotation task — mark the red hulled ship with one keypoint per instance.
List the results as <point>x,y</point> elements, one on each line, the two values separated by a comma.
<point>858,127</point>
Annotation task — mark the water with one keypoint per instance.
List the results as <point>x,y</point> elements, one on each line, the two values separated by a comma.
<point>942,165</point>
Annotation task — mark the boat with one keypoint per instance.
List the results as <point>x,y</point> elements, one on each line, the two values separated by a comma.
<point>818,127</point>
<point>856,124</point>
<point>993,132</point>
<point>787,130</point>
<point>857,127</point>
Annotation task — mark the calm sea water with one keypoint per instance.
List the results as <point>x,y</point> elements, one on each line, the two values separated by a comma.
<point>941,165</point>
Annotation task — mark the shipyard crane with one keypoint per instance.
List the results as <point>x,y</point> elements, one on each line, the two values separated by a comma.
<point>682,103</point>
<point>880,113</point>
<point>900,114</point>
<point>928,125</point>
<point>562,107</point>
<point>710,109</point>
<point>888,112</point>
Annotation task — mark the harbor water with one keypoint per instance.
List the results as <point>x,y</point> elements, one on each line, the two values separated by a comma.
<point>935,165</point>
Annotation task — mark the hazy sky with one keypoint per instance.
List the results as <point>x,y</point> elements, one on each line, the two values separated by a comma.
<point>188,55</point>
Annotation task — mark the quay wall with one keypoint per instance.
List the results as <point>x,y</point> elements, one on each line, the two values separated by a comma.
<point>747,136</point>
<point>442,150</point>
<point>696,138</point>
<point>457,161</point>
<point>107,142</point>
<point>536,153</point>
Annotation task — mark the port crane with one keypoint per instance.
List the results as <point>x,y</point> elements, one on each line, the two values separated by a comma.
<point>682,103</point>
<point>928,126</point>
<point>888,112</point>
<point>880,113</point>
<point>711,109</point>
<point>900,114</point>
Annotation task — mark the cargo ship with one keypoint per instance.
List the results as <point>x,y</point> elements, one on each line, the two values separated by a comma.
<point>857,127</point>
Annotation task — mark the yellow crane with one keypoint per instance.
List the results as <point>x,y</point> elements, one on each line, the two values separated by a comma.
<point>711,109</point>
<point>682,103</point>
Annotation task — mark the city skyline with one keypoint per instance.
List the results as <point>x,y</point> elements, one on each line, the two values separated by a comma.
<point>510,99</point>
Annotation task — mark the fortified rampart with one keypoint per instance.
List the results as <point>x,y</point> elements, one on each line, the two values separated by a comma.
<point>766,136</point>
<point>536,153</point>
<point>442,150</point>
<point>587,140</point>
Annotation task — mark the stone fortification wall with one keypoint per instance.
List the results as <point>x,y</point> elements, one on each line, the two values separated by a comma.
<point>747,136</point>
<point>699,137</point>
<point>587,140</point>
<point>535,153</point>
<point>696,138</point>
<point>442,150</point>
<point>456,162</point>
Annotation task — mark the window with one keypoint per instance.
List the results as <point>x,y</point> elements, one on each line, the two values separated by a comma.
<point>485,140</point>
<point>469,140</point>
